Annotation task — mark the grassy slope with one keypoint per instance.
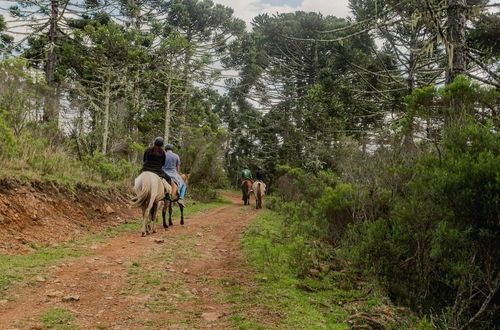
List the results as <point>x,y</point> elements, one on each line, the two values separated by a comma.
<point>329,299</point>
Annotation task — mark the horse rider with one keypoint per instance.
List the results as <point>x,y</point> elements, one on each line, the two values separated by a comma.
<point>172,167</point>
<point>153,160</point>
<point>246,174</point>
<point>259,175</point>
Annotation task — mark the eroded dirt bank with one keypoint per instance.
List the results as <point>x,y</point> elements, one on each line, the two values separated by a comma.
<point>42,214</point>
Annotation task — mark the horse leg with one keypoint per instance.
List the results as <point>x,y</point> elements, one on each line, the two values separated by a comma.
<point>145,215</point>
<point>182,213</point>
<point>154,214</point>
<point>163,215</point>
<point>170,214</point>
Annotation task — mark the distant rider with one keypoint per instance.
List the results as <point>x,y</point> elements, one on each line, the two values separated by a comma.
<point>171,167</point>
<point>153,160</point>
<point>246,174</point>
<point>259,175</point>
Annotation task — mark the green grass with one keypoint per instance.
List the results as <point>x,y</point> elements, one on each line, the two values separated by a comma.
<point>284,298</point>
<point>58,318</point>
<point>19,269</point>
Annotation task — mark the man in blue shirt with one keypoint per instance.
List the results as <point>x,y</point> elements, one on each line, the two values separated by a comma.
<point>172,167</point>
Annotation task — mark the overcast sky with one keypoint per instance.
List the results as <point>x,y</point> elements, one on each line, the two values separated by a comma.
<point>248,9</point>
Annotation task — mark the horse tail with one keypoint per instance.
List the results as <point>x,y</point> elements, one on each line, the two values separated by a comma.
<point>258,190</point>
<point>142,192</point>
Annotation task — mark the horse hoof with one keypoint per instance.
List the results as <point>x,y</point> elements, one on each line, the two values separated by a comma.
<point>182,222</point>
<point>143,234</point>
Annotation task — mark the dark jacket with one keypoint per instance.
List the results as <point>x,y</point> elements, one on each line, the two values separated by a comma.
<point>153,162</point>
<point>259,175</point>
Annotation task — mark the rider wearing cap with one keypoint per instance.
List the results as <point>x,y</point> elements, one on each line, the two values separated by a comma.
<point>171,167</point>
<point>246,174</point>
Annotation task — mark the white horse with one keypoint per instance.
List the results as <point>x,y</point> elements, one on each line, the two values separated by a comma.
<point>149,194</point>
<point>259,189</point>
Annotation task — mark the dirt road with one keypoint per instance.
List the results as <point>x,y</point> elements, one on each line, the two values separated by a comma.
<point>131,282</point>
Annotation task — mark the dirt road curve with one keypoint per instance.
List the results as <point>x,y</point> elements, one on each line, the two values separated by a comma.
<point>131,282</point>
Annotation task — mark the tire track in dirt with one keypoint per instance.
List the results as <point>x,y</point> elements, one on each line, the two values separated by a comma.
<point>131,282</point>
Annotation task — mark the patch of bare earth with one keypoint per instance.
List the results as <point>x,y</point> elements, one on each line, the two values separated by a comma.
<point>173,279</point>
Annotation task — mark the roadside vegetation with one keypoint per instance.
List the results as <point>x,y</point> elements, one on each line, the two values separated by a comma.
<point>423,224</point>
<point>300,287</point>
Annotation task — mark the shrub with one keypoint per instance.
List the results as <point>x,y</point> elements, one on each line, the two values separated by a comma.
<point>8,145</point>
<point>437,248</point>
<point>108,169</point>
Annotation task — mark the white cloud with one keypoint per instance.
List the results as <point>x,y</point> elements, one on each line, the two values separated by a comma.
<point>248,9</point>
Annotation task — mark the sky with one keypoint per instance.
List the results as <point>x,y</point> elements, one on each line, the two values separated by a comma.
<point>248,9</point>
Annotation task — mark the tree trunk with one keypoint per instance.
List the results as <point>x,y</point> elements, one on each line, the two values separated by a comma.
<point>51,111</point>
<point>167,111</point>
<point>105,129</point>
<point>456,47</point>
<point>186,79</point>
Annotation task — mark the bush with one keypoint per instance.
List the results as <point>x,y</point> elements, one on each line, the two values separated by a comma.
<point>438,247</point>
<point>108,169</point>
<point>319,206</point>
<point>8,145</point>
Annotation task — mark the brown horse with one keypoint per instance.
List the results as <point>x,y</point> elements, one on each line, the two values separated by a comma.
<point>246,189</point>
<point>259,189</point>
<point>174,197</point>
<point>149,194</point>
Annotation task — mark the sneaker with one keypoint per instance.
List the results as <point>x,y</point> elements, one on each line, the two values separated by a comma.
<point>181,202</point>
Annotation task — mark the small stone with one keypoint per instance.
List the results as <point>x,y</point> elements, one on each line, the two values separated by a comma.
<point>185,271</point>
<point>159,240</point>
<point>199,234</point>
<point>39,278</point>
<point>108,209</point>
<point>3,302</point>
<point>94,247</point>
<point>70,298</point>
<point>54,293</point>
<point>210,316</point>
<point>313,272</point>
<point>108,298</point>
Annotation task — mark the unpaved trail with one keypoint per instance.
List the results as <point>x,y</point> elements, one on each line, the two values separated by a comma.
<point>131,282</point>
